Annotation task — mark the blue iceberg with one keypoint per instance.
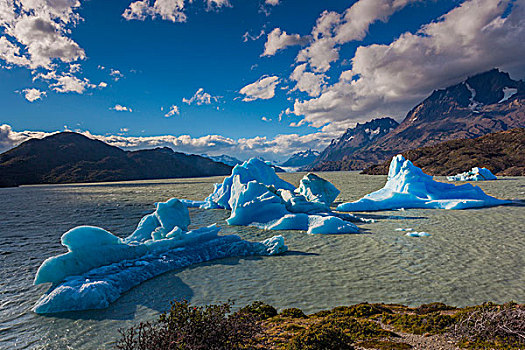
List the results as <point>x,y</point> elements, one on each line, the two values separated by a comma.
<point>100,266</point>
<point>408,187</point>
<point>257,197</point>
<point>475,174</point>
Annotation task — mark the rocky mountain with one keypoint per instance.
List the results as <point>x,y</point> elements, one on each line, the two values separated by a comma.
<point>70,157</point>
<point>503,153</point>
<point>485,103</point>
<point>355,139</point>
<point>301,159</point>
<point>225,159</point>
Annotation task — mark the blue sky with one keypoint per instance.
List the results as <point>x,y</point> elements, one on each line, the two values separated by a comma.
<point>115,69</point>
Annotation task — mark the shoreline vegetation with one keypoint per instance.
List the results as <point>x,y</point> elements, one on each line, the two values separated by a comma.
<point>359,326</point>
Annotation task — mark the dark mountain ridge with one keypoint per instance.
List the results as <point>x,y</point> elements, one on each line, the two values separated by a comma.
<point>483,104</point>
<point>300,159</point>
<point>69,157</point>
<point>503,153</point>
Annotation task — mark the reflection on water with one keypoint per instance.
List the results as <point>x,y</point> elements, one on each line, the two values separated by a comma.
<point>472,256</point>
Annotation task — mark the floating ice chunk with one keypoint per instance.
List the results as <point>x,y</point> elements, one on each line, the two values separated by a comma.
<point>297,203</point>
<point>403,229</point>
<point>101,286</point>
<point>252,203</point>
<point>317,189</point>
<point>409,187</point>
<point>251,170</point>
<point>475,174</point>
<point>417,234</point>
<point>99,266</point>
<point>329,225</point>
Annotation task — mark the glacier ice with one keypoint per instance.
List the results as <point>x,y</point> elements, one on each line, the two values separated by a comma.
<point>317,189</point>
<point>475,174</point>
<point>99,266</point>
<point>417,234</point>
<point>408,187</point>
<point>257,197</point>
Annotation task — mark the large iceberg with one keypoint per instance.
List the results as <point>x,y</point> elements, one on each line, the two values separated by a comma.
<point>257,197</point>
<point>408,187</point>
<point>100,266</point>
<point>475,174</point>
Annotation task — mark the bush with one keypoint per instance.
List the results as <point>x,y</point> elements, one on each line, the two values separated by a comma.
<point>494,326</point>
<point>293,313</point>
<point>432,307</point>
<point>321,337</point>
<point>356,329</point>
<point>186,327</point>
<point>433,323</point>
<point>362,310</point>
<point>259,309</point>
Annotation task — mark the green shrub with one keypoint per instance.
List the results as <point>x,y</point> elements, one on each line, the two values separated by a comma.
<point>356,329</point>
<point>433,323</point>
<point>321,337</point>
<point>384,345</point>
<point>186,327</point>
<point>293,313</point>
<point>432,307</point>
<point>362,310</point>
<point>259,309</point>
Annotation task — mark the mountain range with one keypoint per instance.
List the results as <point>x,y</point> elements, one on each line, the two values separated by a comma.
<point>482,104</point>
<point>301,159</point>
<point>503,153</point>
<point>69,157</point>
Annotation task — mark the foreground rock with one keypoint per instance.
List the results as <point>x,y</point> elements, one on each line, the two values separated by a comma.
<point>409,187</point>
<point>503,153</point>
<point>99,267</point>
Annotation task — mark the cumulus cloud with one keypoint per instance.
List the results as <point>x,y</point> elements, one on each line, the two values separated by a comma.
<point>263,89</point>
<point>308,82</point>
<point>65,82</point>
<point>173,110</point>
<point>272,2</point>
<point>279,147</point>
<point>115,74</point>
<point>169,10</point>
<point>33,94</point>
<point>201,98</point>
<point>389,79</point>
<point>120,108</point>
<point>278,40</point>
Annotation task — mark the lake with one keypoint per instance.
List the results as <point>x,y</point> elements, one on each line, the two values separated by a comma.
<point>472,256</point>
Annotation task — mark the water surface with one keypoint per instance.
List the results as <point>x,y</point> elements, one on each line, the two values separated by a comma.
<point>472,256</point>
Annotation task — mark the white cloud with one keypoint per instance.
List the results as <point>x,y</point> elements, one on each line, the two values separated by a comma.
<point>115,74</point>
<point>102,84</point>
<point>33,94</point>
<point>278,147</point>
<point>201,98</point>
<point>248,37</point>
<point>265,119</point>
<point>308,82</point>
<point>173,110</point>
<point>169,10</point>
<point>120,108</point>
<point>333,29</point>
<point>389,79</point>
<point>272,2</point>
<point>278,40</point>
<point>65,82</point>
<point>263,89</point>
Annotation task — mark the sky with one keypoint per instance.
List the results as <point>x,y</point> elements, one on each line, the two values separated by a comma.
<point>244,78</point>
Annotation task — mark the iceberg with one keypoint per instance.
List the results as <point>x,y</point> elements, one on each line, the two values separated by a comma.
<point>409,187</point>
<point>257,197</point>
<point>99,266</point>
<point>475,174</point>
